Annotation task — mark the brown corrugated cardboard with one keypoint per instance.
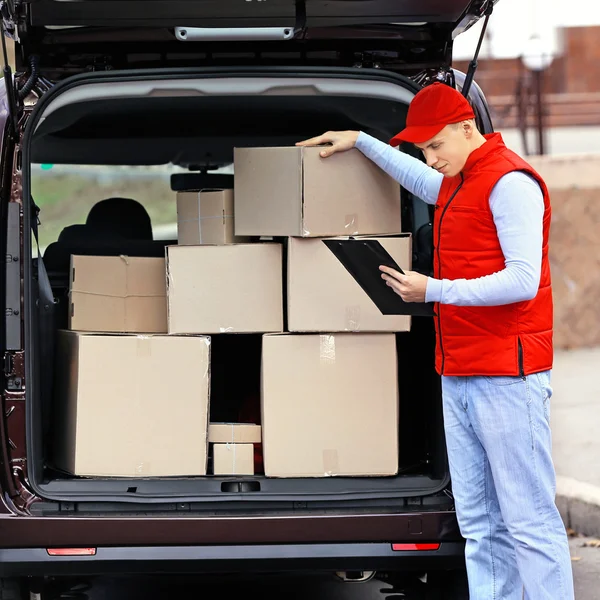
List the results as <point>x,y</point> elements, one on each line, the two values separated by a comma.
<point>223,433</point>
<point>225,289</point>
<point>323,296</point>
<point>330,405</point>
<point>233,459</point>
<point>121,294</point>
<point>206,217</point>
<point>292,191</point>
<point>132,406</point>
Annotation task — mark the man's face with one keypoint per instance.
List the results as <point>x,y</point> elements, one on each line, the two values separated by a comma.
<point>447,152</point>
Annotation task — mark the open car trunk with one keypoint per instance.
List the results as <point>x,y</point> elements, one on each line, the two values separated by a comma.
<point>194,118</point>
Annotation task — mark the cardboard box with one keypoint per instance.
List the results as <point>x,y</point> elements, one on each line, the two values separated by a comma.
<point>233,459</point>
<point>122,294</point>
<point>225,289</point>
<point>323,296</point>
<point>229,433</point>
<point>206,217</point>
<point>330,405</point>
<point>132,406</point>
<point>292,191</point>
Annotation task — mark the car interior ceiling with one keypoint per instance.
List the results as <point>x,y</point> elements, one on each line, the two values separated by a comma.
<point>199,132</point>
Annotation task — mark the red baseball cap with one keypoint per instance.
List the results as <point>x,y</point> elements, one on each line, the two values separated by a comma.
<point>432,108</point>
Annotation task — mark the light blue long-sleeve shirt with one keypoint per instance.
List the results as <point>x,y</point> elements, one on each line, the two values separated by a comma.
<point>517,206</point>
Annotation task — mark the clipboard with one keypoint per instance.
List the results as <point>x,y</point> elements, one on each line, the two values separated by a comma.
<point>362,259</point>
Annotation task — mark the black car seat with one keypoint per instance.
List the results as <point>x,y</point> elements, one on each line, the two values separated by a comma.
<point>113,226</point>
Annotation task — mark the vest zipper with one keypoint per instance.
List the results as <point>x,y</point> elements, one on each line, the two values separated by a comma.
<point>521,366</point>
<point>439,274</point>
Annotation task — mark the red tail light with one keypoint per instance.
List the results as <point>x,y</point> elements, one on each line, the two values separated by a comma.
<point>71,551</point>
<point>400,547</point>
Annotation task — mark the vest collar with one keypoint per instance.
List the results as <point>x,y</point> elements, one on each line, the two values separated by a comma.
<point>493,142</point>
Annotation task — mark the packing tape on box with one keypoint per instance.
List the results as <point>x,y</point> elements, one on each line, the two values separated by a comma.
<point>327,349</point>
<point>226,330</point>
<point>144,346</point>
<point>233,447</point>
<point>330,463</point>
<point>199,221</point>
<point>351,224</point>
<point>352,318</point>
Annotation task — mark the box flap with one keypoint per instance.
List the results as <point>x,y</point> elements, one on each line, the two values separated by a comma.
<point>268,190</point>
<point>368,200</point>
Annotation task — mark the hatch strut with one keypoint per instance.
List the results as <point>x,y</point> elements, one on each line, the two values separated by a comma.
<point>10,90</point>
<point>473,64</point>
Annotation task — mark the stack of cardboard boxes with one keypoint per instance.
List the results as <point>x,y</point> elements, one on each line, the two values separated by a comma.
<point>134,391</point>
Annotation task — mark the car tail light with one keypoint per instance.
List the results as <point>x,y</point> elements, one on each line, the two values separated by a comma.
<point>71,551</point>
<point>400,547</point>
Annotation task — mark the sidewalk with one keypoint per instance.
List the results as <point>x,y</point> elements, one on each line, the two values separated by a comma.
<point>574,417</point>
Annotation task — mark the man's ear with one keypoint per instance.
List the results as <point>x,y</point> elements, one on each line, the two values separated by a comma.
<point>468,128</point>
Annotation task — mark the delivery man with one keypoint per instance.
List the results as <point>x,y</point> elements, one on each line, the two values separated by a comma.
<point>493,305</point>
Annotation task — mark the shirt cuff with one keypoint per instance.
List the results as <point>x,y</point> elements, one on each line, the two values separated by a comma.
<point>433,291</point>
<point>361,141</point>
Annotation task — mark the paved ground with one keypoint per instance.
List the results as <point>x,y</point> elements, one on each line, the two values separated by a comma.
<point>575,413</point>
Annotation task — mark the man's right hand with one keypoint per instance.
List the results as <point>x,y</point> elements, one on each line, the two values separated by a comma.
<point>340,142</point>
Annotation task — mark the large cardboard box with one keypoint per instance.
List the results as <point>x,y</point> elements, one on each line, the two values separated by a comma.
<point>323,296</point>
<point>330,405</point>
<point>225,289</point>
<point>206,217</point>
<point>292,191</point>
<point>132,406</point>
<point>122,294</point>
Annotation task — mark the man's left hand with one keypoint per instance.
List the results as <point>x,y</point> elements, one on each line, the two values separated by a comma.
<point>411,286</point>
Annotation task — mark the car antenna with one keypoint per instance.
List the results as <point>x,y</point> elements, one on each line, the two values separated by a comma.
<point>10,90</point>
<point>466,88</point>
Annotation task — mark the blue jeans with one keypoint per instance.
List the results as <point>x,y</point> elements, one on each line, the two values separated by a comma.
<point>503,481</point>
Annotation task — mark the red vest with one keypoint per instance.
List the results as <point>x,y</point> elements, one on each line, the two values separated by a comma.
<point>514,339</point>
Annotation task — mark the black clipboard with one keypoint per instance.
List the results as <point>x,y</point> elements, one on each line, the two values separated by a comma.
<point>362,259</point>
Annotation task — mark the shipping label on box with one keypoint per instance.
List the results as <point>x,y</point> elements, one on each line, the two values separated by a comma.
<point>236,288</point>
<point>330,405</point>
<point>233,459</point>
<point>120,294</point>
<point>132,405</point>
<point>324,297</point>
<point>293,191</point>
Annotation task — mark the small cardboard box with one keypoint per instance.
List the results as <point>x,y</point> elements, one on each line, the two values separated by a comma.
<point>229,433</point>
<point>233,459</point>
<point>132,405</point>
<point>120,294</point>
<point>330,405</point>
<point>206,217</point>
<point>236,288</point>
<point>324,297</point>
<point>293,191</point>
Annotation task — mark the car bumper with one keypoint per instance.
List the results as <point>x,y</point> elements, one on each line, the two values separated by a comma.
<point>16,562</point>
